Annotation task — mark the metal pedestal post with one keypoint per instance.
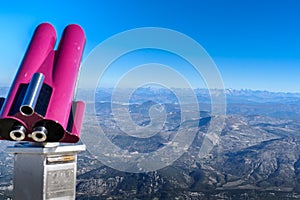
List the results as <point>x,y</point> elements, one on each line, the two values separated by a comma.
<point>44,172</point>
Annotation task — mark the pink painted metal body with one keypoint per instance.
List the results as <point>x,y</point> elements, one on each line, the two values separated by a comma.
<point>53,107</point>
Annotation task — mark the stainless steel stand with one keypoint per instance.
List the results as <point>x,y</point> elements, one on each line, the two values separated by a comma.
<point>44,172</point>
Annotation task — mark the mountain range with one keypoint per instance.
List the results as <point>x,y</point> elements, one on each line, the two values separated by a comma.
<point>257,156</point>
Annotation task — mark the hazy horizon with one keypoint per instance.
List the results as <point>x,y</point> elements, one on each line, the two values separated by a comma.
<point>254,44</point>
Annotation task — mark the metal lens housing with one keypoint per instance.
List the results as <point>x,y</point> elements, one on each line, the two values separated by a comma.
<point>32,94</point>
<point>18,133</point>
<point>39,134</point>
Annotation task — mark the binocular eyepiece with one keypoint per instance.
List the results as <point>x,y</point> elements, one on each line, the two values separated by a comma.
<point>18,133</point>
<point>39,133</point>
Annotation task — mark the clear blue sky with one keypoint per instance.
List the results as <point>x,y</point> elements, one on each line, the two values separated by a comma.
<point>255,44</point>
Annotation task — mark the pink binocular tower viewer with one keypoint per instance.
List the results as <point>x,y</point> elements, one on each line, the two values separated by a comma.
<point>40,106</point>
<point>41,115</point>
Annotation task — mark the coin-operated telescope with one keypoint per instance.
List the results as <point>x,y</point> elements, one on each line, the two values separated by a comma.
<point>39,106</point>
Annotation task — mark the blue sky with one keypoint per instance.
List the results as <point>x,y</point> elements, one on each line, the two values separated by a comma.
<point>255,44</point>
